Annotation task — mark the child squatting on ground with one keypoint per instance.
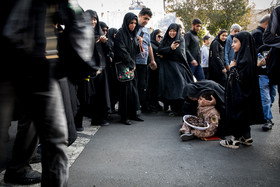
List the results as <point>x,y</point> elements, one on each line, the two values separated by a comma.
<point>206,110</point>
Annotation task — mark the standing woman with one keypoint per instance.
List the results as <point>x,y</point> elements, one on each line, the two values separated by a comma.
<point>217,69</point>
<point>174,72</point>
<point>125,50</point>
<point>243,101</point>
<point>152,89</point>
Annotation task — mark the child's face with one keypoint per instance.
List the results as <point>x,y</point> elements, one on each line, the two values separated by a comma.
<point>200,101</point>
<point>236,44</point>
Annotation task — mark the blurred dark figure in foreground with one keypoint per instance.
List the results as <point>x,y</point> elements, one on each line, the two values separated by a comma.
<point>26,77</point>
<point>271,38</point>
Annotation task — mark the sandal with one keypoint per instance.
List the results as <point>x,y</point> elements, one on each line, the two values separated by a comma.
<point>248,141</point>
<point>231,143</point>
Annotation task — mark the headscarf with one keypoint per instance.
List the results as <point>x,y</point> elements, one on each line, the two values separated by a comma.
<point>126,21</point>
<point>246,57</point>
<point>195,89</point>
<point>218,37</point>
<point>154,35</point>
<point>167,40</point>
<point>103,25</point>
<point>110,36</point>
<point>97,29</point>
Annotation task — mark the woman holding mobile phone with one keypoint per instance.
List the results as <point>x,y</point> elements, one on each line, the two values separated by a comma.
<point>174,71</point>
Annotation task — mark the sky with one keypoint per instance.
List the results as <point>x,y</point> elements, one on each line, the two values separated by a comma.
<point>155,5</point>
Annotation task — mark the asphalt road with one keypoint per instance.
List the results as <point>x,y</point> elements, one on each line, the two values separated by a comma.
<point>150,153</point>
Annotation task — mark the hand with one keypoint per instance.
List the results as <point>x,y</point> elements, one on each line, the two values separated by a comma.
<point>204,102</point>
<point>174,46</point>
<point>232,64</point>
<point>103,39</point>
<point>194,63</point>
<point>227,67</point>
<point>153,65</point>
<point>140,40</point>
<point>224,71</point>
<point>261,63</point>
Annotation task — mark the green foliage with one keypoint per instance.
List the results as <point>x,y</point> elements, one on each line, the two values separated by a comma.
<point>214,14</point>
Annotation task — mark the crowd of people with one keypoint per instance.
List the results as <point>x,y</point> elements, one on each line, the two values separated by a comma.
<point>129,71</point>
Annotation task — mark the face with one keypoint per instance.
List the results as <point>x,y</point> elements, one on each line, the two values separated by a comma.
<point>207,42</point>
<point>105,30</point>
<point>143,19</point>
<point>93,22</point>
<point>132,25</point>
<point>172,33</point>
<point>199,101</point>
<point>223,36</point>
<point>159,37</point>
<point>234,32</point>
<point>196,27</point>
<point>236,44</point>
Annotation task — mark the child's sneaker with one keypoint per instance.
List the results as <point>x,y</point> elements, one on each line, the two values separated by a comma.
<point>248,141</point>
<point>230,143</point>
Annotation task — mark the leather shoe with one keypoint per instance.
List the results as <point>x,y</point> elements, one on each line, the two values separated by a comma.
<point>26,178</point>
<point>137,118</point>
<point>126,122</point>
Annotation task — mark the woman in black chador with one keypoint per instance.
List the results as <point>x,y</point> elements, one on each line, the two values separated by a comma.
<point>174,71</point>
<point>243,101</point>
<point>217,70</point>
<point>125,50</point>
<point>93,92</point>
<point>152,89</point>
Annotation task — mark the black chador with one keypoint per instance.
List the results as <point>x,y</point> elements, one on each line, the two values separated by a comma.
<point>217,60</point>
<point>125,50</point>
<point>243,101</point>
<point>174,72</point>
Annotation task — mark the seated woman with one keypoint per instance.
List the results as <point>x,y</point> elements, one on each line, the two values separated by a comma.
<point>206,112</point>
<point>194,91</point>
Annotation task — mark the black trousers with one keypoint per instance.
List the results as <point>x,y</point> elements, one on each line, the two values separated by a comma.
<point>45,110</point>
<point>142,73</point>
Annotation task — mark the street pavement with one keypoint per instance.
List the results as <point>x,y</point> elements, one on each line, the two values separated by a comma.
<point>151,154</point>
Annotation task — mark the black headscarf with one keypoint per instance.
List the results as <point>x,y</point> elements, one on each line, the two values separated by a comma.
<point>154,35</point>
<point>103,25</point>
<point>126,20</point>
<point>97,29</point>
<point>218,37</point>
<point>195,89</point>
<point>125,47</point>
<point>167,40</point>
<point>246,57</point>
<point>110,36</point>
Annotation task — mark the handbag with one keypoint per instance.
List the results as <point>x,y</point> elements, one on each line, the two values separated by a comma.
<point>123,72</point>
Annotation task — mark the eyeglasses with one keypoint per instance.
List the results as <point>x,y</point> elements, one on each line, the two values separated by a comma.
<point>160,36</point>
<point>104,30</point>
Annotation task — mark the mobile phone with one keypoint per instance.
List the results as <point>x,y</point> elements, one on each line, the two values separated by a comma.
<point>177,41</point>
<point>141,34</point>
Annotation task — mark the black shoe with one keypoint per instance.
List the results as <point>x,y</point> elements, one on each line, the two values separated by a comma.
<point>36,158</point>
<point>100,123</point>
<point>126,122</point>
<point>29,177</point>
<point>79,128</point>
<point>267,126</point>
<point>137,118</point>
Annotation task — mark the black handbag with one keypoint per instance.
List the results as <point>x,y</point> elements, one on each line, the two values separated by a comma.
<point>123,72</point>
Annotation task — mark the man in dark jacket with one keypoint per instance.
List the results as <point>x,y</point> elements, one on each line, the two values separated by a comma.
<point>258,32</point>
<point>193,50</point>
<point>268,90</point>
